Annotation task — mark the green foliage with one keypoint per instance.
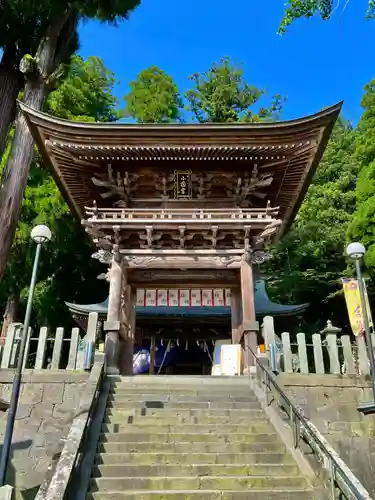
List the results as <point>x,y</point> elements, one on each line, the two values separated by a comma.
<point>24,22</point>
<point>309,262</point>
<point>47,27</point>
<point>153,98</point>
<point>87,93</point>
<point>222,95</point>
<point>112,11</point>
<point>67,271</point>
<point>362,227</point>
<point>297,9</point>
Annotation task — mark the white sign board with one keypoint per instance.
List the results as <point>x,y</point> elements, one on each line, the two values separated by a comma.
<point>230,362</point>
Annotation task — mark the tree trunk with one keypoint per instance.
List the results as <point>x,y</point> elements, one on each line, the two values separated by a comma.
<point>11,82</point>
<point>9,315</point>
<point>16,173</point>
<point>13,183</point>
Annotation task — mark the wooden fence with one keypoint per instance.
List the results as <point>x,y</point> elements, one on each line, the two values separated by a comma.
<point>51,350</point>
<point>328,353</point>
<point>320,354</point>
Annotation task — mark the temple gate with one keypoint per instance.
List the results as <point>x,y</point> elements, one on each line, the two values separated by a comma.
<point>181,207</point>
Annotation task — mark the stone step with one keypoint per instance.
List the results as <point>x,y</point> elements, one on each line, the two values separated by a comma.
<point>196,447</point>
<point>187,437</point>
<point>123,415</point>
<point>196,483</point>
<point>143,424</point>
<point>194,405</point>
<point>196,428</point>
<point>150,458</point>
<point>235,398</point>
<point>193,391</point>
<point>179,380</point>
<point>194,470</point>
<point>284,494</point>
<point>194,384</point>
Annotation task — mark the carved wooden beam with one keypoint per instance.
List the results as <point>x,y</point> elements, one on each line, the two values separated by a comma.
<point>182,237</point>
<point>176,277</point>
<point>213,236</point>
<point>150,237</point>
<point>260,256</point>
<point>116,186</point>
<point>103,256</point>
<point>247,238</point>
<point>184,253</point>
<point>249,185</point>
<point>100,239</point>
<point>163,184</point>
<point>202,185</point>
<point>214,230</point>
<point>127,185</point>
<point>183,262</point>
<point>238,187</point>
<point>269,230</point>
<point>201,188</point>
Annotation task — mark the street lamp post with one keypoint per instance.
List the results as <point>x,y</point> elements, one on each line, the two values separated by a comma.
<point>40,234</point>
<point>356,251</point>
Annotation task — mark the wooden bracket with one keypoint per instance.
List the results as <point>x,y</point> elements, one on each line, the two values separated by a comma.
<point>250,326</point>
<point>111,326</point>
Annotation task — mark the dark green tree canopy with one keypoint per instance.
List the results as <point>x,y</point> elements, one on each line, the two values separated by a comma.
<point>86,94</point>
<point>69,252</point>
<point>222,95</point>
<point>362,227</point>
<point>55,44</point>
<point>297,9</point>
<point>153,98</point>
<point>309,261</point>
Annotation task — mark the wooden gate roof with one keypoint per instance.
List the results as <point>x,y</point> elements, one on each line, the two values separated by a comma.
<point>78,151</point>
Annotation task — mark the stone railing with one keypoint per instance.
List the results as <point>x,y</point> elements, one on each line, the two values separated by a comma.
<point>48,403</point>
<point>51,350</point>
<point>64,466</point>
<point>329,353</point>
<point>336,475</point>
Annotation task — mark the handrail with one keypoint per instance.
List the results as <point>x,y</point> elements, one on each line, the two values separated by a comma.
<point>187,210</point>
<point>302,427</point>
<point>173,214</point>
<point>56,484</point>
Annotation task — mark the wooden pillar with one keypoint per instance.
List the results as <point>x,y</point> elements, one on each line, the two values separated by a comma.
<point>236,315</point>
<point>152,355</point>
<point>133,314</point>
<point>127,328</point>
<point>112,325</point>
<point>250,326</point>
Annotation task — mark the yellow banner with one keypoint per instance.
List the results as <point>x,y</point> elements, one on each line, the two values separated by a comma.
<point>353,304</point>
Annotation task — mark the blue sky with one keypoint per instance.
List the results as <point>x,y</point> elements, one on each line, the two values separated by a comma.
<point>315,64</point>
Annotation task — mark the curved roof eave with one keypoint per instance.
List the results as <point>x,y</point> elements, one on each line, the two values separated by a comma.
<point>325,115</point>
<point>263,307</point>
<point>48,132</point>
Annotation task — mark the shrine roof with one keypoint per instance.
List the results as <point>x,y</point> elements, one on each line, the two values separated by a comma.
<point>289,150</point>
<point>263,307</point>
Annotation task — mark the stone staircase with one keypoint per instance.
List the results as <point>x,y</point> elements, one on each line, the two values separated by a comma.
<point>191,437</point>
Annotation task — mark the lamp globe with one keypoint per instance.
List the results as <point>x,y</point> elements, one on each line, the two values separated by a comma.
<point>41,234</point>
<point>355,250</point>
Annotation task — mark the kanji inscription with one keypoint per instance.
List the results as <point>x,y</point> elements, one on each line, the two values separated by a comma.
<point>182,185</point>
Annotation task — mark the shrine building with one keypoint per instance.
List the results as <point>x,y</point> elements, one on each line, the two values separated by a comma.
<point>182,215</point>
